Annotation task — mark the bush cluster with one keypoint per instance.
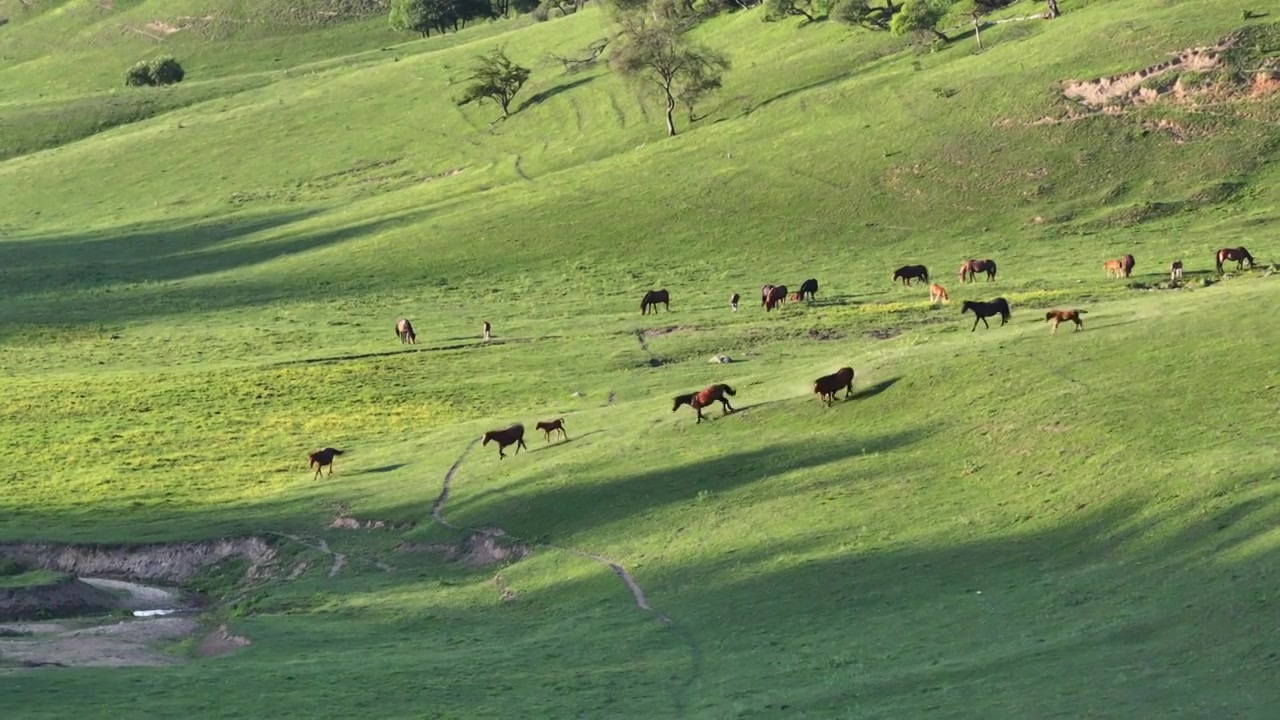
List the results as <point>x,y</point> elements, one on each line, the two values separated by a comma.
<point>163,70</point>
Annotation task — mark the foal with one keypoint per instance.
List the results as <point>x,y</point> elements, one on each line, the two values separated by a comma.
<point>549,426</point>
<point>937,293</point>
<point>733,301</point>
<point>1061,316</point>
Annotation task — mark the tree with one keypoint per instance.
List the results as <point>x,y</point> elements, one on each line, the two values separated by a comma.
<point>495,78</point>
<point>1053,10</point>
<point>781,9</point>
<point>861,12</point>
<point>412,15</point>
<point>920,16</point>
<point>656,53</point>
<point>423,16</point>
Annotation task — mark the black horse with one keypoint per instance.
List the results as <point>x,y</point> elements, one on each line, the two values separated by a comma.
<point>808,289</point>
<point>907,273</point>
<point>651,300</point>
<point>984,310</point>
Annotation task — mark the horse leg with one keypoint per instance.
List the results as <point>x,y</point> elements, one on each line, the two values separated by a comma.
<point>520,444</point>
<point>727,407</point>
<point>975,322</point>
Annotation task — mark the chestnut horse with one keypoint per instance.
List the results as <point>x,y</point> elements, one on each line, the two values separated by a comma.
<point>652,298</point>
<point>549,426</point>
<point>1061,316</point>
<point>808,289</point>
<point>708,395</point>
<point>827,386</point>
<point>764,294</point>
<point>911,272</point>
<point>776,297</point>
<point>971,268</point>
<point>404,331</point>
<point>1114,268</point>
<point>322,458</point>
<point>505,437</point>
<point>938,293</point>
<point>1240,255</point>
<point>984,310</point>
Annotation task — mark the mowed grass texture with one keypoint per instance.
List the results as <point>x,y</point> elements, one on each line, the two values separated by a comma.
<point>1001,523</point>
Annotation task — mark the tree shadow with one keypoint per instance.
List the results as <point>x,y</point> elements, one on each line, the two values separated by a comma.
<point>384,469</point>
<point>545,95</point>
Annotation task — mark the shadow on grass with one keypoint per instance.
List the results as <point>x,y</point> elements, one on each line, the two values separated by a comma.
<point>559,443</point>
<point>545,95</point>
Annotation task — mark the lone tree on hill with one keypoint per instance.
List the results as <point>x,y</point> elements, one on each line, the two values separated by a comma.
<point>920,16</point>
<point>495,78</point>
<point>657,53</point>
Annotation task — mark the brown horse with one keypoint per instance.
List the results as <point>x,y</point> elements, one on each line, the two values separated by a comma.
<point>777,296</point>
<point>764,294</point>
<point>549,426</point>
<point>937,293</point>
<point>907,273</point>
<point>1175,271</point>
<point>323,458</point>
<point>1061,316</point>
<point>504,437</point>
<point>1240,255</point>
<point>827,386</point>
<point>1126,264</point>
<point>705,397</point>
<point>733,301</point>
<point>1114,268</point>
<point>984,310</point>
<point>970,269</point>
<point>652,298</point>
<point>795,297</point>
<point>404,331</point>
<point>809,289</point>
<point>487,330</point>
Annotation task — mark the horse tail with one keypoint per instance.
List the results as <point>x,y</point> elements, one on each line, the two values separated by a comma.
<point>1082,312</point>
<point>337,451</point>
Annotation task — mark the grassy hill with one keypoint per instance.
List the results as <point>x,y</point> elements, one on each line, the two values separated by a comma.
<point>200,285</point>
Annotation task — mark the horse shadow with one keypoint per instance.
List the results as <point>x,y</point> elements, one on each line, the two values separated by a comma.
<point>554,444</point>
<point>384,469</point>
<point>874,390</point>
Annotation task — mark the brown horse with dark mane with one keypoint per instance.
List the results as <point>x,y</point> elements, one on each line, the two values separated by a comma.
<point>984,310</point>
<point>1126,265</point>
<point>504,437</point>
<point>809,289</point>
<point>323,458</point>
<point>1061,316</point>
<point>404,331</point>
<point>549,426</point>
<point>652,298</point>
<point>705,397</point>
<point>1240,255</point>
<point>907,273</point>
<point>827,386</point>
<point>776,297</point>
<point>764,294</point>
<point>970,269</point>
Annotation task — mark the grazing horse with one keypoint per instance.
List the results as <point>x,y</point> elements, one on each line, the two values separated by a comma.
<point>705,397</point>
<point>970,269</point>
<point>795,297</point>
<point>404,331</point>
<point>938,293</point>
<point>777,295</point>
<point>1114,268</point>
<point>808,289</point>
<point>1238,254</point>
<point>984,310</point>
<point>652,298</point>
<point>505,437</point>
<point>487,329</point>
<point>1126,264</point>
<point>1061,316</point>
<point>765,290</point>
<point>322,458</point>
<point>907,273</point>
<point>1175,271</point>
<point>549,426</point>
<point>827,386</point>
<point>733,301</point>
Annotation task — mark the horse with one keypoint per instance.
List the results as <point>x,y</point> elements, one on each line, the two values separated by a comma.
<point>984,310</point>
<point>1238,254</point>
<point>1061,316</point>
<point>652,298</point>
<point>733,301</point>
<point>938,293</point>
<point>487,329</point>
<point>505,437</point>
<point>764,294</point>
<point>808,289</point>
<point>827,386</point>
<point>1175,271</point>
<point>1126,264</point>
<point>777,295</point>
<point>549,426</point>
<point>1114,268</point>
<point>971,268</point>
<point>795,297</point>
<point>404,331</point>
<point>907,273</point>
<point>705,397</point>
<point>322,458</point>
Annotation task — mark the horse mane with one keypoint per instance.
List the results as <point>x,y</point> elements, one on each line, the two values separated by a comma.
<point>725,388</point>
<point>686,399</point>
<point>645,300</point>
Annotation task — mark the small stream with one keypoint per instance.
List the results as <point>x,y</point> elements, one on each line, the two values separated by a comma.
<point>142,600</point>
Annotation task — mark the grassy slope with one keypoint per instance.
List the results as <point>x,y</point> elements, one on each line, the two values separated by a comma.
<point>1109,493</point>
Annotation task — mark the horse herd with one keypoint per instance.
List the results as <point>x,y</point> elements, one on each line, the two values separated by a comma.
<point>827,386</point>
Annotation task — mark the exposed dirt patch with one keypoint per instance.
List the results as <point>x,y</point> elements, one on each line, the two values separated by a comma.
<point>164,29</point>
<point>117,645</point>
<point>884,333</point>
<point>1264,83</point>
<point>1135,86</point>
<point>220,642</point>
<point>172,562</point>
<point>477,549</point>
<point>66,598</point>
<point>132,596</point>
<point>824,334</point>
<point>346,522</point>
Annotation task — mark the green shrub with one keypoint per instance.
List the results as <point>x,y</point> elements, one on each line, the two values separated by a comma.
<point>166,71</point>
<point>139,75</point>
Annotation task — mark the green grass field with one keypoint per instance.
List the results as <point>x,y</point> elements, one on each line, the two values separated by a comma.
<point>200,285</point>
